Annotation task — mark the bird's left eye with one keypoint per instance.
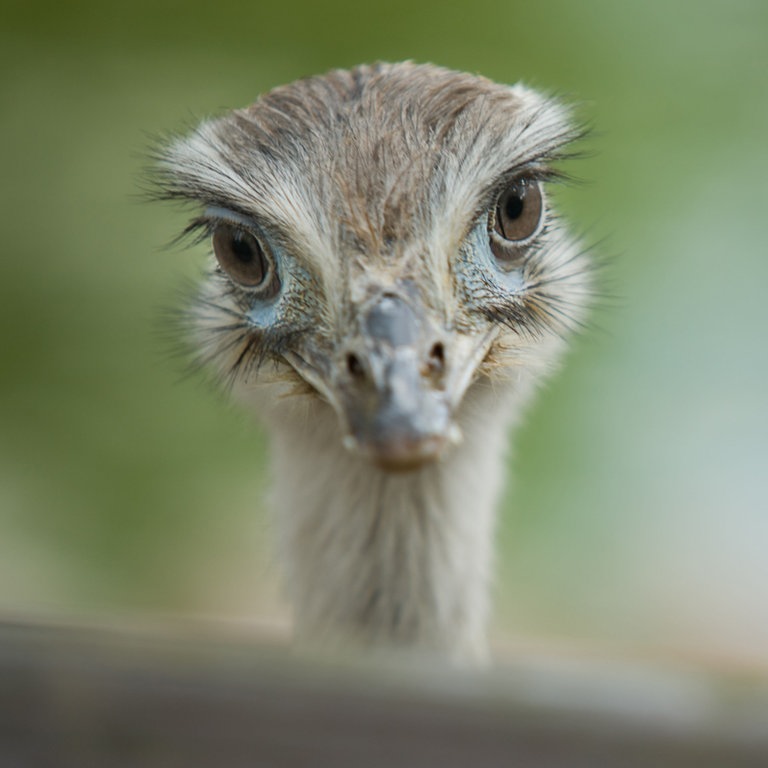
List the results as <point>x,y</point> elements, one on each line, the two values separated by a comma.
<point>243,257</point>
<point>516,216</point>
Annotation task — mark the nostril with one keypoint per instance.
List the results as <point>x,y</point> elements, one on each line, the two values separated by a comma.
<point>437,356</point>
<point>355,366</point>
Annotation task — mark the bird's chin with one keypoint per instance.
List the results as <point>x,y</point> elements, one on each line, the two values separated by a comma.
<point>401,456</point>
<point>408,457</point>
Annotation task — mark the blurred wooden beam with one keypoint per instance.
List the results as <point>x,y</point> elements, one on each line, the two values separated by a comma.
<point>107,698</point>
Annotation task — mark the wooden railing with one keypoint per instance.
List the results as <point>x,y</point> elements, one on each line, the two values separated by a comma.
<point>105,698</point>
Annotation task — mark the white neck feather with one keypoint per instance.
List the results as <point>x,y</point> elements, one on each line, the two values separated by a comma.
<point>390,559</point>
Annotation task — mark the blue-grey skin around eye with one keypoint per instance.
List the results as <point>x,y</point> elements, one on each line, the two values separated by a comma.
<point>266,311</point>
<point>479,272</point>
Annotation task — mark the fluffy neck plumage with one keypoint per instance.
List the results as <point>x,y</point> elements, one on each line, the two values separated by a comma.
<point>381,559</point>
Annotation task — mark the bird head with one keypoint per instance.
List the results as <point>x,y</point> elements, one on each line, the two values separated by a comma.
<point>382,240</point>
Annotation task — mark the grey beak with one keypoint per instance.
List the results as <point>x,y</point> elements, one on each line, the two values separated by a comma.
<point>393,394</point>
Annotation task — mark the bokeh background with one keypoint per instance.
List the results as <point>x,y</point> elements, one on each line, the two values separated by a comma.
<point>637,520</point>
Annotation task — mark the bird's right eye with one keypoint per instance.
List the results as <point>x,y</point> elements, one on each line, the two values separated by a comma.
<point>243,258</point>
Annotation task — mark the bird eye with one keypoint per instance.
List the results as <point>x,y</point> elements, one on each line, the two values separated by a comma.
<point>242,257</point>
<point>516,216</point>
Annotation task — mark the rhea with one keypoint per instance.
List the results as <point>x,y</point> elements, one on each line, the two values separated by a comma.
<point>388,285</point>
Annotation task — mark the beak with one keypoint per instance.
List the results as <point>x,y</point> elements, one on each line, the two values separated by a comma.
<point>397,385</point>
<point>396,408</point>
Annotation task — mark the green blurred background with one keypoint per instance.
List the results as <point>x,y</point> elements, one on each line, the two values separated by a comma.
<point>638,516</point>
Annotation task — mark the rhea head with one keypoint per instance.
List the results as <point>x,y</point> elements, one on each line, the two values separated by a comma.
<point>383,242</point>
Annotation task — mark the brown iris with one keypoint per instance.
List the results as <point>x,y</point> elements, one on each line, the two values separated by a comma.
<point>515,218</point>
<point>518,211</point>
<point>242,257</point>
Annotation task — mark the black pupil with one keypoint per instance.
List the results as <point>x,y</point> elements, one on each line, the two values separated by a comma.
<point>242,248</point>
<point>513,206</point>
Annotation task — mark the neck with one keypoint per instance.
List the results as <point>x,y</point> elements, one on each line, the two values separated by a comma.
<point>390,559</point>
